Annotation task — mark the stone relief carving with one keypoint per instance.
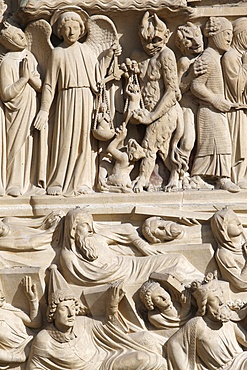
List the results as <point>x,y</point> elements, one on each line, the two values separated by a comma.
<point>82,343</point>
<point>84,255</point>
<point>166,112</point>
<point>87,109</point>
<point>167,285</point>
<point>212,339</point>
<point>163,313</point>
<point>15,338</point>
<point>214,144</point>
<point>231,253</point>
<point>235,77</point>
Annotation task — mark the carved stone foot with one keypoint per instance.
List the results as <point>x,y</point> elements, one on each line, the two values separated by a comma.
<point>84,189</point>
<point>140,185</point>
<point>196,182</point>
<point>173,184</point>
<point>225,183</point>
<point>186,182</point>
<point>14,191</point>
<point>54,190</point>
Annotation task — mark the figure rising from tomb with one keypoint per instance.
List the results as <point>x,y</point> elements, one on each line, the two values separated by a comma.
<point>160,111</point>
<point>88,259</point>
<point>213,155</point>
<point>20,82</point>
<point>82,343</point>
<point>15,336</point>
<point>231,254</point>
<point>234,63</point>
<point>163,312</point>
<point>74,71</point>
<point>212,340</point>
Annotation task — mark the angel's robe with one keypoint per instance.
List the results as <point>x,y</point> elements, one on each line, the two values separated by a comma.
<point>72,73</point>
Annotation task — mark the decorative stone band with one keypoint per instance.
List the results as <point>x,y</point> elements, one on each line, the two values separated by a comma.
<point>38,7</point>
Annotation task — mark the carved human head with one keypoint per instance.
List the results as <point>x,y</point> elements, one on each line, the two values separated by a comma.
<point>189,39</point>
<point>70,27</point>
<point>239,40</point>
<point>210,298</point>
<point>135,151</point>
<point>75,219</point>
<point>79,233</point>
<point>58,297</point>
<point>153,295</point>
<point>219,30</point>
<point>12,38</point>
<point>153,33</point>
<point>103,108</point>
<point>226,227</point>
<point>157,230</point>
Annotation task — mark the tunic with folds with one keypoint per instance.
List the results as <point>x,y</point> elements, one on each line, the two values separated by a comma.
<point>20,108</point>
<point>213,156</point>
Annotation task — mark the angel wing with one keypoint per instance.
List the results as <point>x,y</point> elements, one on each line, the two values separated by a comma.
<point>101,34</point>
<point>38,34</point>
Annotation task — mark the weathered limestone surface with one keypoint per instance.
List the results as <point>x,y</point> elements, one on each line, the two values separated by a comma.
<point>123,185</point>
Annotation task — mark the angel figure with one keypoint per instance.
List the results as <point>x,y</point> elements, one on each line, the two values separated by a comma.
<point>73,71</point>
<point>20,82</point>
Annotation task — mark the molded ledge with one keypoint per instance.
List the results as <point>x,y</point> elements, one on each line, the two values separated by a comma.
<point>38,7</point>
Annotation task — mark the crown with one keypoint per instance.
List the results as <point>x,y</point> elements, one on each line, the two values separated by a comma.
<point>201,289</point>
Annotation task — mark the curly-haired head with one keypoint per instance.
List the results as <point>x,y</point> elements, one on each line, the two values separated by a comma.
<point>146,294</point>
<point>57,297</point>
<point>69,16</point>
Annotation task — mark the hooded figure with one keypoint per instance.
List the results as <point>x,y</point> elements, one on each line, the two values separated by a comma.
<point>231,253</point>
